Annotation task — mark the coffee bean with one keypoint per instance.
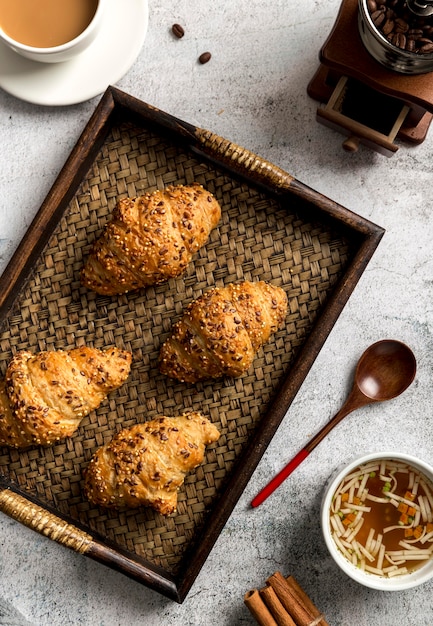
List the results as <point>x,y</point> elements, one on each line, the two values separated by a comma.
<point>399,40</point>
<point>388,27</point>
<point>378,18</point>
<point>401,27</point>
<point>410,45</point>
<point>426,48</point>
<point>178,31</point>
<point>205,57</point>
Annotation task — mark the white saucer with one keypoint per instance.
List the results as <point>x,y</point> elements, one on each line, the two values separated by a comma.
<point>107,59</point>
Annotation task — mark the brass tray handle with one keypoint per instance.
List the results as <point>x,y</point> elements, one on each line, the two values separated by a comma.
<point>243,159</point>
<point>35,517</point>
<point>30,514</point>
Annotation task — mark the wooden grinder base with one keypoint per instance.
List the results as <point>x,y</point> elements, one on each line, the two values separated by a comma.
<point>345,64</point>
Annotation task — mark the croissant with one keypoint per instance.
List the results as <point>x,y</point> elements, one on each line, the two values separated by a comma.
<point>221,331</point>
<point>150,239</point>
<point>44,397</point>
<point>146,465</point>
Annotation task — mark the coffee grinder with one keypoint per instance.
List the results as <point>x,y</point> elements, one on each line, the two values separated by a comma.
<point>371,91</point>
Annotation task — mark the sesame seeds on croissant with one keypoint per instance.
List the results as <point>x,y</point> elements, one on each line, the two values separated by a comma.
<point>145,465</point>
<point>150,239</point>
<point>221,331</point>
<point>44,396</point>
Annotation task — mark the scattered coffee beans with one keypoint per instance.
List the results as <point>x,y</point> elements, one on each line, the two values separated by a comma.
<point>401,26</point>
<point>178,31</point>
<point>205,57</point>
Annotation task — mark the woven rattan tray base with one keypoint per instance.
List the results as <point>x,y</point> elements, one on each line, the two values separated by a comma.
<point>273,228</point>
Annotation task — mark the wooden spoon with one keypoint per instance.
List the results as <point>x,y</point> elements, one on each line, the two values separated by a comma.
<point>384,371</point>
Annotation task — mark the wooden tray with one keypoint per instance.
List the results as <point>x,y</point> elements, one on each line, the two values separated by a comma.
<point>273,228</point>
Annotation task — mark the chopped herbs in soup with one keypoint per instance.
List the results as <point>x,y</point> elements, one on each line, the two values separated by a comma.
<point>382,518</point>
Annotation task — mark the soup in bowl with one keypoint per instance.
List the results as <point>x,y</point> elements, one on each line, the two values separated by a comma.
<point>377,520</point>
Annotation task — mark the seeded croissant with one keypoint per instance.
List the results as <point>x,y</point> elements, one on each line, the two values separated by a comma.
<point>44,397</point>
<point>150,239</point>
<point>146,465</point>
<point>221,331</point>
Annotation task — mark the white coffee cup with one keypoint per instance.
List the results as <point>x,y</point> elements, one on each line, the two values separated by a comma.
<point>63,52</point>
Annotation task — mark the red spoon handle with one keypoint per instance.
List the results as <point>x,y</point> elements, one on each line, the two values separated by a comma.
<point>280,477</point>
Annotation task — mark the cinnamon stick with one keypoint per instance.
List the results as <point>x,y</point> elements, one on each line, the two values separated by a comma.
<point>306,601</point>
<point>276,607</point>
<point>258,608</point>
<point>290,600</point>
<point>283,602</point>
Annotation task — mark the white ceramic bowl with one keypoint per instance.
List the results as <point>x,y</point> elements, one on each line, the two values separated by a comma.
<point>398,583</point>
<point>64,52</point>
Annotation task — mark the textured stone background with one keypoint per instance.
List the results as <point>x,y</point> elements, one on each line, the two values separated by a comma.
<point>253,92</point>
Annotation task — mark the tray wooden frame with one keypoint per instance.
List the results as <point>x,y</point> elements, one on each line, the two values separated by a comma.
<point>363,237</point>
